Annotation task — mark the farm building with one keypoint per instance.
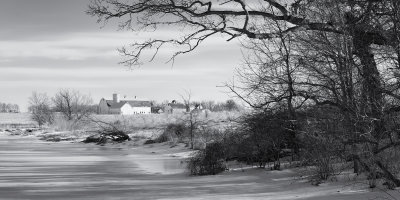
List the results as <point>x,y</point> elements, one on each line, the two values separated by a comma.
<point>124,107</point>
<point>175,107</point>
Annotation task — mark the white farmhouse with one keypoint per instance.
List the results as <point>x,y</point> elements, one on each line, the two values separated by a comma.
<point>124,107</point>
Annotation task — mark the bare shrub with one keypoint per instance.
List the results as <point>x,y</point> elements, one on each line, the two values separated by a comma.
<point>164,137</point>
<point>173,132</point>
<point>322,153</point>
<point>322,140</point>
<point>179,130</point>
<point>261,138</point>
<point>72,104</point>
<point>40,107</point>
<point>62,124</point>
<point>206,134</point>
<point>209,161</point>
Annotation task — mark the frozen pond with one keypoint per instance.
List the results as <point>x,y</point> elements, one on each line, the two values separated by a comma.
<point>33,169</point>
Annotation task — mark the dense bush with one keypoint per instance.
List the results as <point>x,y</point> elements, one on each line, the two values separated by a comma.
<point>177,129</point>
<point>163,137</point>
<point>324,154</point>
<point>262,137</point>
<point>209,161</point>
<point>173,132</point>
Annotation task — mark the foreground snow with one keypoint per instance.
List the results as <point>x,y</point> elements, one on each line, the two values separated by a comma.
<point>34,169</point>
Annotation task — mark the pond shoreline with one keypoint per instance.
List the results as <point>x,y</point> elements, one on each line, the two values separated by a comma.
<point>134,148</point>
<point>35,169</point>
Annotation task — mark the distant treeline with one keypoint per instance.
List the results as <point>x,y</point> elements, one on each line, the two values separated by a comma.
<point>228,105</point>
<point>9,108</point>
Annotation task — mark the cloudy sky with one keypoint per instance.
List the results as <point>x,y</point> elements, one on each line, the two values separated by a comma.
<point>47,45</point>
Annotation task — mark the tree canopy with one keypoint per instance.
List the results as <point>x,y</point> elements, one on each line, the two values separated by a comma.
<point>341,54</point>
<point>371,21</point>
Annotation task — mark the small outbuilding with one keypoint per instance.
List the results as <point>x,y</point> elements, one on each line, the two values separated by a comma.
<point>175,107</point>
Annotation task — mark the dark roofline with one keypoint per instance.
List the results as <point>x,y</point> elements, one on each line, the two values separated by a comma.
<point>132,103</point>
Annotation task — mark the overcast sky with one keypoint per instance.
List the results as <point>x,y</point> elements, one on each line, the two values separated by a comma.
<point>46,45</point>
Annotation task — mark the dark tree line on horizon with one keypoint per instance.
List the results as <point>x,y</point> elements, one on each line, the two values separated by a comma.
<point>9,108</point>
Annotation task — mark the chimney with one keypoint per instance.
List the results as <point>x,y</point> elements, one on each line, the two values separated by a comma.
<point>116,98</point>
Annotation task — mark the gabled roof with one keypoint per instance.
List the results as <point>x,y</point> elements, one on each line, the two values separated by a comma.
<point>113,105</point>
<point>139,103</point>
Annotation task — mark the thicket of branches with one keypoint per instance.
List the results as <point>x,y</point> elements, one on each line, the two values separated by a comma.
<point>337,62</point>
<point>72,105</point>
<point>39,107</point>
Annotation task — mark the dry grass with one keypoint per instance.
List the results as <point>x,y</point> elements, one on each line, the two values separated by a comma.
<point>143,126</point>
<point>153,125</point>
<point>159,121</point>
<point>61,124</point>
<point>16,120</point>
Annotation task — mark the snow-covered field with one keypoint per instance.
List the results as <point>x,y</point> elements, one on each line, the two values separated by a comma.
<point>152,121</point>
<point>162,120</point>
<point>34,169</point>
<point>15,120</point>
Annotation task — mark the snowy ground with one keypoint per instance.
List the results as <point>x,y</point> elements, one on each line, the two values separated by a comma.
<point>16,120</point>
<point>35,169</point>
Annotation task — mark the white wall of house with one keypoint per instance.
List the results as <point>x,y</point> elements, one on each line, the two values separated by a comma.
<point>126,109</point>
<point>141,110</point>
<point>129,110</point>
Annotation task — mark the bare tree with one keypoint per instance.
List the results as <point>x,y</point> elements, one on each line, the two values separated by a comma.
<point>270,76</point>
<point>2,107</point>
<point>8,107</point>
<point>72,104</point>
<point>186,98</point>
<point>40,108</point>
<point>367,22</point>
<point>369,27</point>
<point>191,118</point>
<point>193,121</point>
<point>231,105</point>
<point>16,108</point>
<point>208,104</point>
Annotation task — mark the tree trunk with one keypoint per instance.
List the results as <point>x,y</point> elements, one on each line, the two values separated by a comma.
<point>356,166</point>
<point>191,135</point>
<point>388,174</point>
<point>371,94</point>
